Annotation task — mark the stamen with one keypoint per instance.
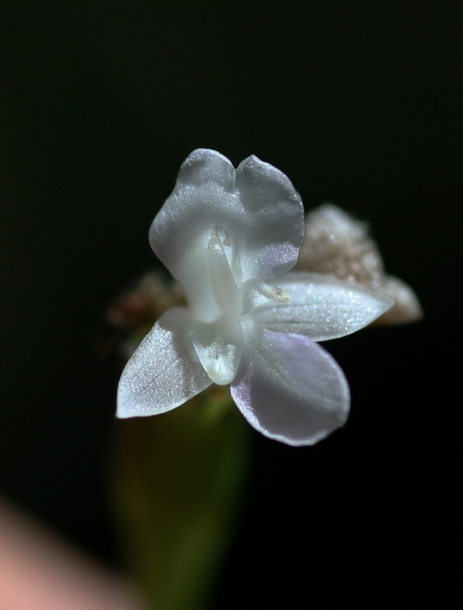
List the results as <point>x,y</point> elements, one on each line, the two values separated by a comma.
<point>256,293</point>
<point>273,292</point>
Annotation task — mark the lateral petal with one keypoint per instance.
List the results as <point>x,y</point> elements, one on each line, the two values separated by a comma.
<point>289,388</point>
<point>160,375</point>
<point>321,306</point>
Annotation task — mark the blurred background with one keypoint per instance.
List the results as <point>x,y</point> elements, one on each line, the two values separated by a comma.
<point>360,104</point>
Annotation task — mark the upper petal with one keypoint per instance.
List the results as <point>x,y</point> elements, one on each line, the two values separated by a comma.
<point>160,375</point>
<point>321,307</point>
<point>180,233</point>
<point>255,209</point>
<point>274,218</point>
<point>289,388</point>
<point>205,166</point>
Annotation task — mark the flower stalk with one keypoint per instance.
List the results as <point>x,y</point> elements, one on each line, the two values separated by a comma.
<point>178,485</point>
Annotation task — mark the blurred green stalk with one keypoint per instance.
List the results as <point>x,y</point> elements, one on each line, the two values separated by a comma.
<point>178,481</point>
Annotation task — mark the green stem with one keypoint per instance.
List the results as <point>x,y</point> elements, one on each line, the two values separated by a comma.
<point>179,477</point>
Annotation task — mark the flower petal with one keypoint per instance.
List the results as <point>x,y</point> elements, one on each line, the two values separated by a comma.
<point>274,216</point>
<point>246,207</point>
<point>205,166</point>
<point>200,204</point>
<point>160,375</point>
<point>289,388</point>
<point>321,307</point>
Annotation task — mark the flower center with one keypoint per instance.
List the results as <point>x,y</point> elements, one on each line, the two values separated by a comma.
<point>218,345</point>
<point>226,293</point>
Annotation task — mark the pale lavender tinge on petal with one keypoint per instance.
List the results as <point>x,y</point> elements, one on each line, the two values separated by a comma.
<point>289,388</point>
<point>321,307</point>
<point>160,375</point>
<point>274,216</point>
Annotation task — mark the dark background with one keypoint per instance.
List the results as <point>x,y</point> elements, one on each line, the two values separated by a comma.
<point>360,103</point>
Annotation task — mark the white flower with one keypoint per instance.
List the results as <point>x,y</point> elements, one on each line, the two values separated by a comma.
<point>230,237</point>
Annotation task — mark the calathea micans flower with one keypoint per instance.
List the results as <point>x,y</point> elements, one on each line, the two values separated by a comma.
<point>230,237</point>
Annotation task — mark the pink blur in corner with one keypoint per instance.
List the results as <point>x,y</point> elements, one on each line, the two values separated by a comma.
<point>40,572</point>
